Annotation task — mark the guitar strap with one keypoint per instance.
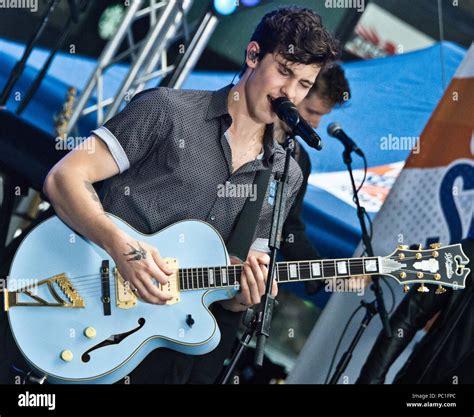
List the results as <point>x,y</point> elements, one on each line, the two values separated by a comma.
<point>206,368</point>
<point>242,234</point>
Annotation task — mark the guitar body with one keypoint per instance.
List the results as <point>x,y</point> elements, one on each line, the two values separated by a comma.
<point>43,333</point>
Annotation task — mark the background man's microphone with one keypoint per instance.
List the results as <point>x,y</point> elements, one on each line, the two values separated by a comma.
<point>288,112</point>
<point>335,130</point>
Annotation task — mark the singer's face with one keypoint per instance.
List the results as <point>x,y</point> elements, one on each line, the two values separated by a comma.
<point>274,77</point>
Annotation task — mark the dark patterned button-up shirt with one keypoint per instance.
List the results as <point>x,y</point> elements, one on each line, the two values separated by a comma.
<point>175,164</point>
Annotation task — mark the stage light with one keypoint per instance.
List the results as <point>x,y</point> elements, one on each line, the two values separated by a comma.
<point>110,21</point>
<point>225,7</point>
<point>250,3</point>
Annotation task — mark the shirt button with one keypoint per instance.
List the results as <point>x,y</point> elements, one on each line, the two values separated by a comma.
<point>213,217</point>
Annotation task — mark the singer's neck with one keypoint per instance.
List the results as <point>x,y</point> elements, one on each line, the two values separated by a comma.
<point>280,133</point>
<point>244,127</point>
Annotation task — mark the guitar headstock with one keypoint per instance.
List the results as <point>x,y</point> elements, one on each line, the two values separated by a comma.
<point>443,266</point>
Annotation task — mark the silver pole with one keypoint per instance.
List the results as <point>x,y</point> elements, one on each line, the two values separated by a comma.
<point>103,61</point>
<point>195,50</point>
<point>157,35</point>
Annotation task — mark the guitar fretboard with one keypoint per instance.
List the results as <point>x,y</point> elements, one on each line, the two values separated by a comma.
<point>228,276</point>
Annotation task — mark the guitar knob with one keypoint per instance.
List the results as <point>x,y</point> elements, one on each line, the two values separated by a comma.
<point>402,247</point>
<point>189,320</point>
<point>67,356</point>
<point>435,245</point>
<point>90,332</point>
<point>406,288</point>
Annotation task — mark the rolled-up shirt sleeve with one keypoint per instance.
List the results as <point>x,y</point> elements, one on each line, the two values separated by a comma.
<point>134,132</point>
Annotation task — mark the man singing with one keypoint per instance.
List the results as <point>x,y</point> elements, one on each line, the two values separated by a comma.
<point>165,155</point>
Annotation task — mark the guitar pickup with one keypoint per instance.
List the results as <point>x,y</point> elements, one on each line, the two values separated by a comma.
<point>125,298</point>
<point>172,286</point>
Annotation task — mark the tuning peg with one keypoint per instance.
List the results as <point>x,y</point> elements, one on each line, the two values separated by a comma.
<point>406,288</point>
<point>419,246</point>
<point>440,290</point>
<point>435,245</point>
<point>423,288</point>
<point>402,247</point>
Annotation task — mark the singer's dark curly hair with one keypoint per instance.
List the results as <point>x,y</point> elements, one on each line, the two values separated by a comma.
<point>332,86</point>
<point>297,34</point>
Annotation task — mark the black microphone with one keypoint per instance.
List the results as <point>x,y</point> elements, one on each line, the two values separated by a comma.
<point>335,130</point>
<point>288,112</point>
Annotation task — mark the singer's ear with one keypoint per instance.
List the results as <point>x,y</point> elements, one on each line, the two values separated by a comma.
<point>253,51</point>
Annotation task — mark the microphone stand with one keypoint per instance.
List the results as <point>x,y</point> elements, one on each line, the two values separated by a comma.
<point>278,191</point>
<point>20,65</point>
<point>258,322</point>
<point>248,320</point>
<point>376,306</point>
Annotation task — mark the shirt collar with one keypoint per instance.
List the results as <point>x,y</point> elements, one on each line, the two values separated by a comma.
<point>218,107</point>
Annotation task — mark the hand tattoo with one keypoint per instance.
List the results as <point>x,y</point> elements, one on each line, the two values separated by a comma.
<point>137,254</point>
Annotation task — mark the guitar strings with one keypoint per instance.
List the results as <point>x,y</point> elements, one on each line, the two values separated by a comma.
<point>280,267</point>
<point>94,292</point>
<point>89,278</point>
<point>186,280</point>
<point>89,281</point>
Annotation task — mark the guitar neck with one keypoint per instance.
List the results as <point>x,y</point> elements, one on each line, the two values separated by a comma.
<point>225,276</point>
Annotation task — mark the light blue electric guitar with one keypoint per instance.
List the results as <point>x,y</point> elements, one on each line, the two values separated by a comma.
<point>76,321</point>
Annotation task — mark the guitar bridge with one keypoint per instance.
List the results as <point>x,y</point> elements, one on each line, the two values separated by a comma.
<point>73,299</point>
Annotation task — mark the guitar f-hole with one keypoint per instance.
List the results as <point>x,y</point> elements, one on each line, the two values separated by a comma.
<point>115,339</point>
